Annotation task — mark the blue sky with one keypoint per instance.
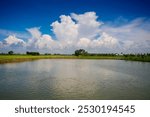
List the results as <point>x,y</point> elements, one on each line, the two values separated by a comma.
<point>19,15</point>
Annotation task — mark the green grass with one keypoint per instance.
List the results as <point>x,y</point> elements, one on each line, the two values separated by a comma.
<point>136,58</point>
<point>21,58</point>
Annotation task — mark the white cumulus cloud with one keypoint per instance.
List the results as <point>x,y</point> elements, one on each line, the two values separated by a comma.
<point>84,43</point>
<point>66,31</point>
<point>105,40</point>
<point>133,36</point>
<point>84,31</point>
<point>38,40</point>
<point>88,26</point>
<point>12,40</point>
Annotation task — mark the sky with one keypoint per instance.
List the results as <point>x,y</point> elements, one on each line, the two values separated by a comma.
<point>62,26</point>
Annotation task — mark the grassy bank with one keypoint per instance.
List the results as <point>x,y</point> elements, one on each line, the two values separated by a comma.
<point>119,57</point>
<point>21,58</point>
<point>136,58</point>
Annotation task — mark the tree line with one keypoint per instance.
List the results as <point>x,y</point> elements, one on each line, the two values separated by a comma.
<point>32,53</point>
<point>27,53</point>
<point>82,52</point>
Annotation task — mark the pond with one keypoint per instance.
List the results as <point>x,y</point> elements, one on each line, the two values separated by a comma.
<point>75,79</point>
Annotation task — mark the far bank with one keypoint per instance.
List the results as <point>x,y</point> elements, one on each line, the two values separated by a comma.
<point>21,58</point>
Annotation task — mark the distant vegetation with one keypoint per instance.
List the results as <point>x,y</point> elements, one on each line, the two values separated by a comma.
<point>137,57</point>
<point>78,54</point>
<point>32,53</point>
<point>81,52</point>
<point>10,52</point>
<point>133,57</point>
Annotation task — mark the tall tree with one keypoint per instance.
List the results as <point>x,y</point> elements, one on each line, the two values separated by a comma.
<point>81,52</point>
<point>10,52</point>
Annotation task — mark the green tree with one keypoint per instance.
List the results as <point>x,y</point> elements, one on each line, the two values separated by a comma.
<point>32,53</point>
<point>81,52</point>
<point>10,52</point>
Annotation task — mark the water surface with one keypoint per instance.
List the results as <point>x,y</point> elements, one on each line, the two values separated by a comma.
<point>75,79</point>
